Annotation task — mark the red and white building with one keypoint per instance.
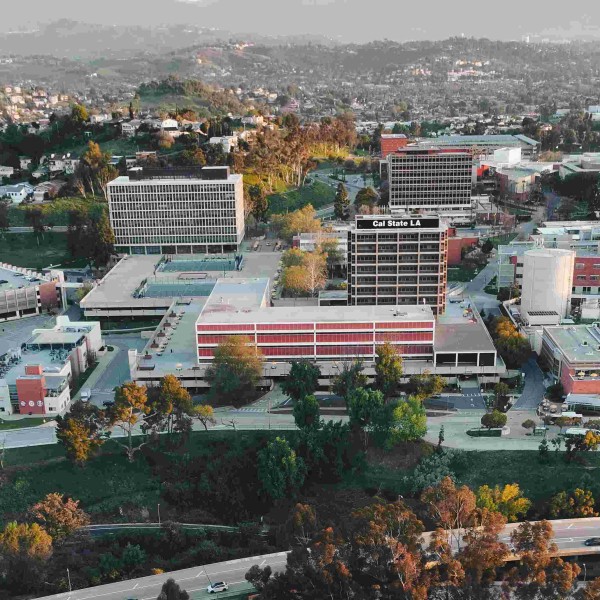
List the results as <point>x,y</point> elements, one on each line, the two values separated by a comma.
<point>37,378</point>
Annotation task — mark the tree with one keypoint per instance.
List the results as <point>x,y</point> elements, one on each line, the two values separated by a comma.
<point>205,413</point>
<point>82,431</point>
<point>591,591</point>
<point>487,246</point>
<point>101,240</point>
<point>350,378</point>
<point>538,573</point>
<point>528,424</point>
<point>129,410</point>
<point>34,217</point>
<point>171,591</point>
<point>4,215</point>
<point>501,391</point>
<point>280,471</point>
<point>388,369</point>
<point>235,371</point>
<point>307,413</point>
<point>366,197</point>
<point>303,220</point>
<point>307,277</point>
<point>577,505</point>
<point>192,157</point>
<point>79,115</point>
<point>341,204</point>
<point>294,257</point>
<point>408,421</point>
<point>171,407</point>
<point>59,516</point>
<point>259,204</point>
<point>302,380</point>
<point>508,501</point>
<point>24,550</point>
<point>494,420</point>
<point>364,406</point>
<point>452,508</point>
<point>425,385</point>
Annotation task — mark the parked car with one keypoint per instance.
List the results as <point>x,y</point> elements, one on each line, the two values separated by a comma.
<point>594,541</point>
<point>218,586</point>
<point>3,281</point>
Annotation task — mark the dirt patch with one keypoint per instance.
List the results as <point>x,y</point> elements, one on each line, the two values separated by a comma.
<point>403,457</point>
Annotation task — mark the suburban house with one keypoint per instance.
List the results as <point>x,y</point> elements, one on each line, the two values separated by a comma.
<point>17,193</point>
<point>6,171</point>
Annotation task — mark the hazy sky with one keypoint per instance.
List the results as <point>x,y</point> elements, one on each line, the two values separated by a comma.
<point>347,20</point>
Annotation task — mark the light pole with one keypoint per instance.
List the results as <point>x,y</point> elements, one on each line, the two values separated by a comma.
<point>69,578</point>
<point>158,509</point>
<point>584,572</point>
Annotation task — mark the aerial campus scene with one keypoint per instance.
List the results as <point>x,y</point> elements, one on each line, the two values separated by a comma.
<point>299,300</point>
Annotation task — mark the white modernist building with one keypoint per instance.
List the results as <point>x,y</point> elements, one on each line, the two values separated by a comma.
<point>431,180</point>
<point>177,211</point>
<point>547,281</point>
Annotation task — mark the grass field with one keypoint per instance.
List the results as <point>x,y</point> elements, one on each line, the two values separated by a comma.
<point>539,482</point>
<point>21,423</point>
<point>37,251</point>
<point>462,273</point>
<point>318,194</point>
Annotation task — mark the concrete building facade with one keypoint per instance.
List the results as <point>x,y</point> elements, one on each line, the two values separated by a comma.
<point>177,211</point>
<point>398,261</point>
<point>547,280</point>
<point>429,179</point>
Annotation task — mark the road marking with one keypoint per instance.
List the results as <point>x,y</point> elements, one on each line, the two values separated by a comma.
<point>263,562</point>
<point>571,525</point>
<point>135,585</point>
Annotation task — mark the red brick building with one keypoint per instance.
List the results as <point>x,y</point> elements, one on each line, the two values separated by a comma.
<point>456,243</point>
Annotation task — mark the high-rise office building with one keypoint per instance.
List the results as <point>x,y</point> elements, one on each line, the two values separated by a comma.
<point>429,179</point>
<point>177,211</point>
<point>398,260</point>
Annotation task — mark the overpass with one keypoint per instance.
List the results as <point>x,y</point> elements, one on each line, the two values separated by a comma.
<point>569,536</point>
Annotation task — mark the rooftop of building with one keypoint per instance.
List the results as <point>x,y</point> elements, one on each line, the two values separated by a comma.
<point>246,301</point>
<point>17,279</point>
<point>571,224</point>
<point>175,349</point>
<point>578,343</point>
<point>462,333</point>
<point>175,175</point>
<point>495,139</point>
<point>155,280</point>
<point>549,252</point>
<point>51,361</point>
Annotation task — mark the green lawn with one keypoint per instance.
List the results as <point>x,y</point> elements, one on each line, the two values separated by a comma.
<point>491,287</point>
<point>37,251</point>
<point>503,239</point>
<point>539,482</point>
<point>318,194</point>
<point>21,423</point>
<point>462,273</point>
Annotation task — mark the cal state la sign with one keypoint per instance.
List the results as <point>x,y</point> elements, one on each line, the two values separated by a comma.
<point>399,223</point>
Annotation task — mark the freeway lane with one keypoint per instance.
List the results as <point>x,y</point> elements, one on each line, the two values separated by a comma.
<point>569,536</point>
<point>194,579</point>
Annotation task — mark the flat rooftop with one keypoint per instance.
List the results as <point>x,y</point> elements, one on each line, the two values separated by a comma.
<point>579,343</point>
<point>50,361</point>
<point>496,140</point>
<point>177,347</point>
<point>187,276</point>
<point>460,334</point>
<point>16,280</point>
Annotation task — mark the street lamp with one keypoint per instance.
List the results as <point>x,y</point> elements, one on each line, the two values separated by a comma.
<point>158,509</point>
<point>69,578</point>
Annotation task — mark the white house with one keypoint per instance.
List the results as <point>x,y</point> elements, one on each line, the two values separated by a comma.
<point>17,193</point>
<point>6,171</point>
<point>228,142</point>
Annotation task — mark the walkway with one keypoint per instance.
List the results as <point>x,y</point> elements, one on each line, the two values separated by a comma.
<point>534,390</point>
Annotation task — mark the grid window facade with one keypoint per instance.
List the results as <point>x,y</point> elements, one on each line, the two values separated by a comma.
<point>413,270</point>
<point>430,180</point>
<point>183,213</point>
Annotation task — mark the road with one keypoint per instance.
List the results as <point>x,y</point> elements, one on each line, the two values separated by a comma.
<point>569,536</point>
<point>195,579</point>
<point>534,390</point>
<point>57,228</point>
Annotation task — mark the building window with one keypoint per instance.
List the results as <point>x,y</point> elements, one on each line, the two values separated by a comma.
<point>580,265</point>
<point>580,277</point>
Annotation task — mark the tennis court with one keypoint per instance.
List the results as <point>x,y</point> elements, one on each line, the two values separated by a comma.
<point>232,263</point>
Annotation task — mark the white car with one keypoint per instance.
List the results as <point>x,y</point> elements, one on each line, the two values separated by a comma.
<point>218,586</point>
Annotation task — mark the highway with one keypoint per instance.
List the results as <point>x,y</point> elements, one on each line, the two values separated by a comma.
<point>195,579</point>
<point>569,536</point>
